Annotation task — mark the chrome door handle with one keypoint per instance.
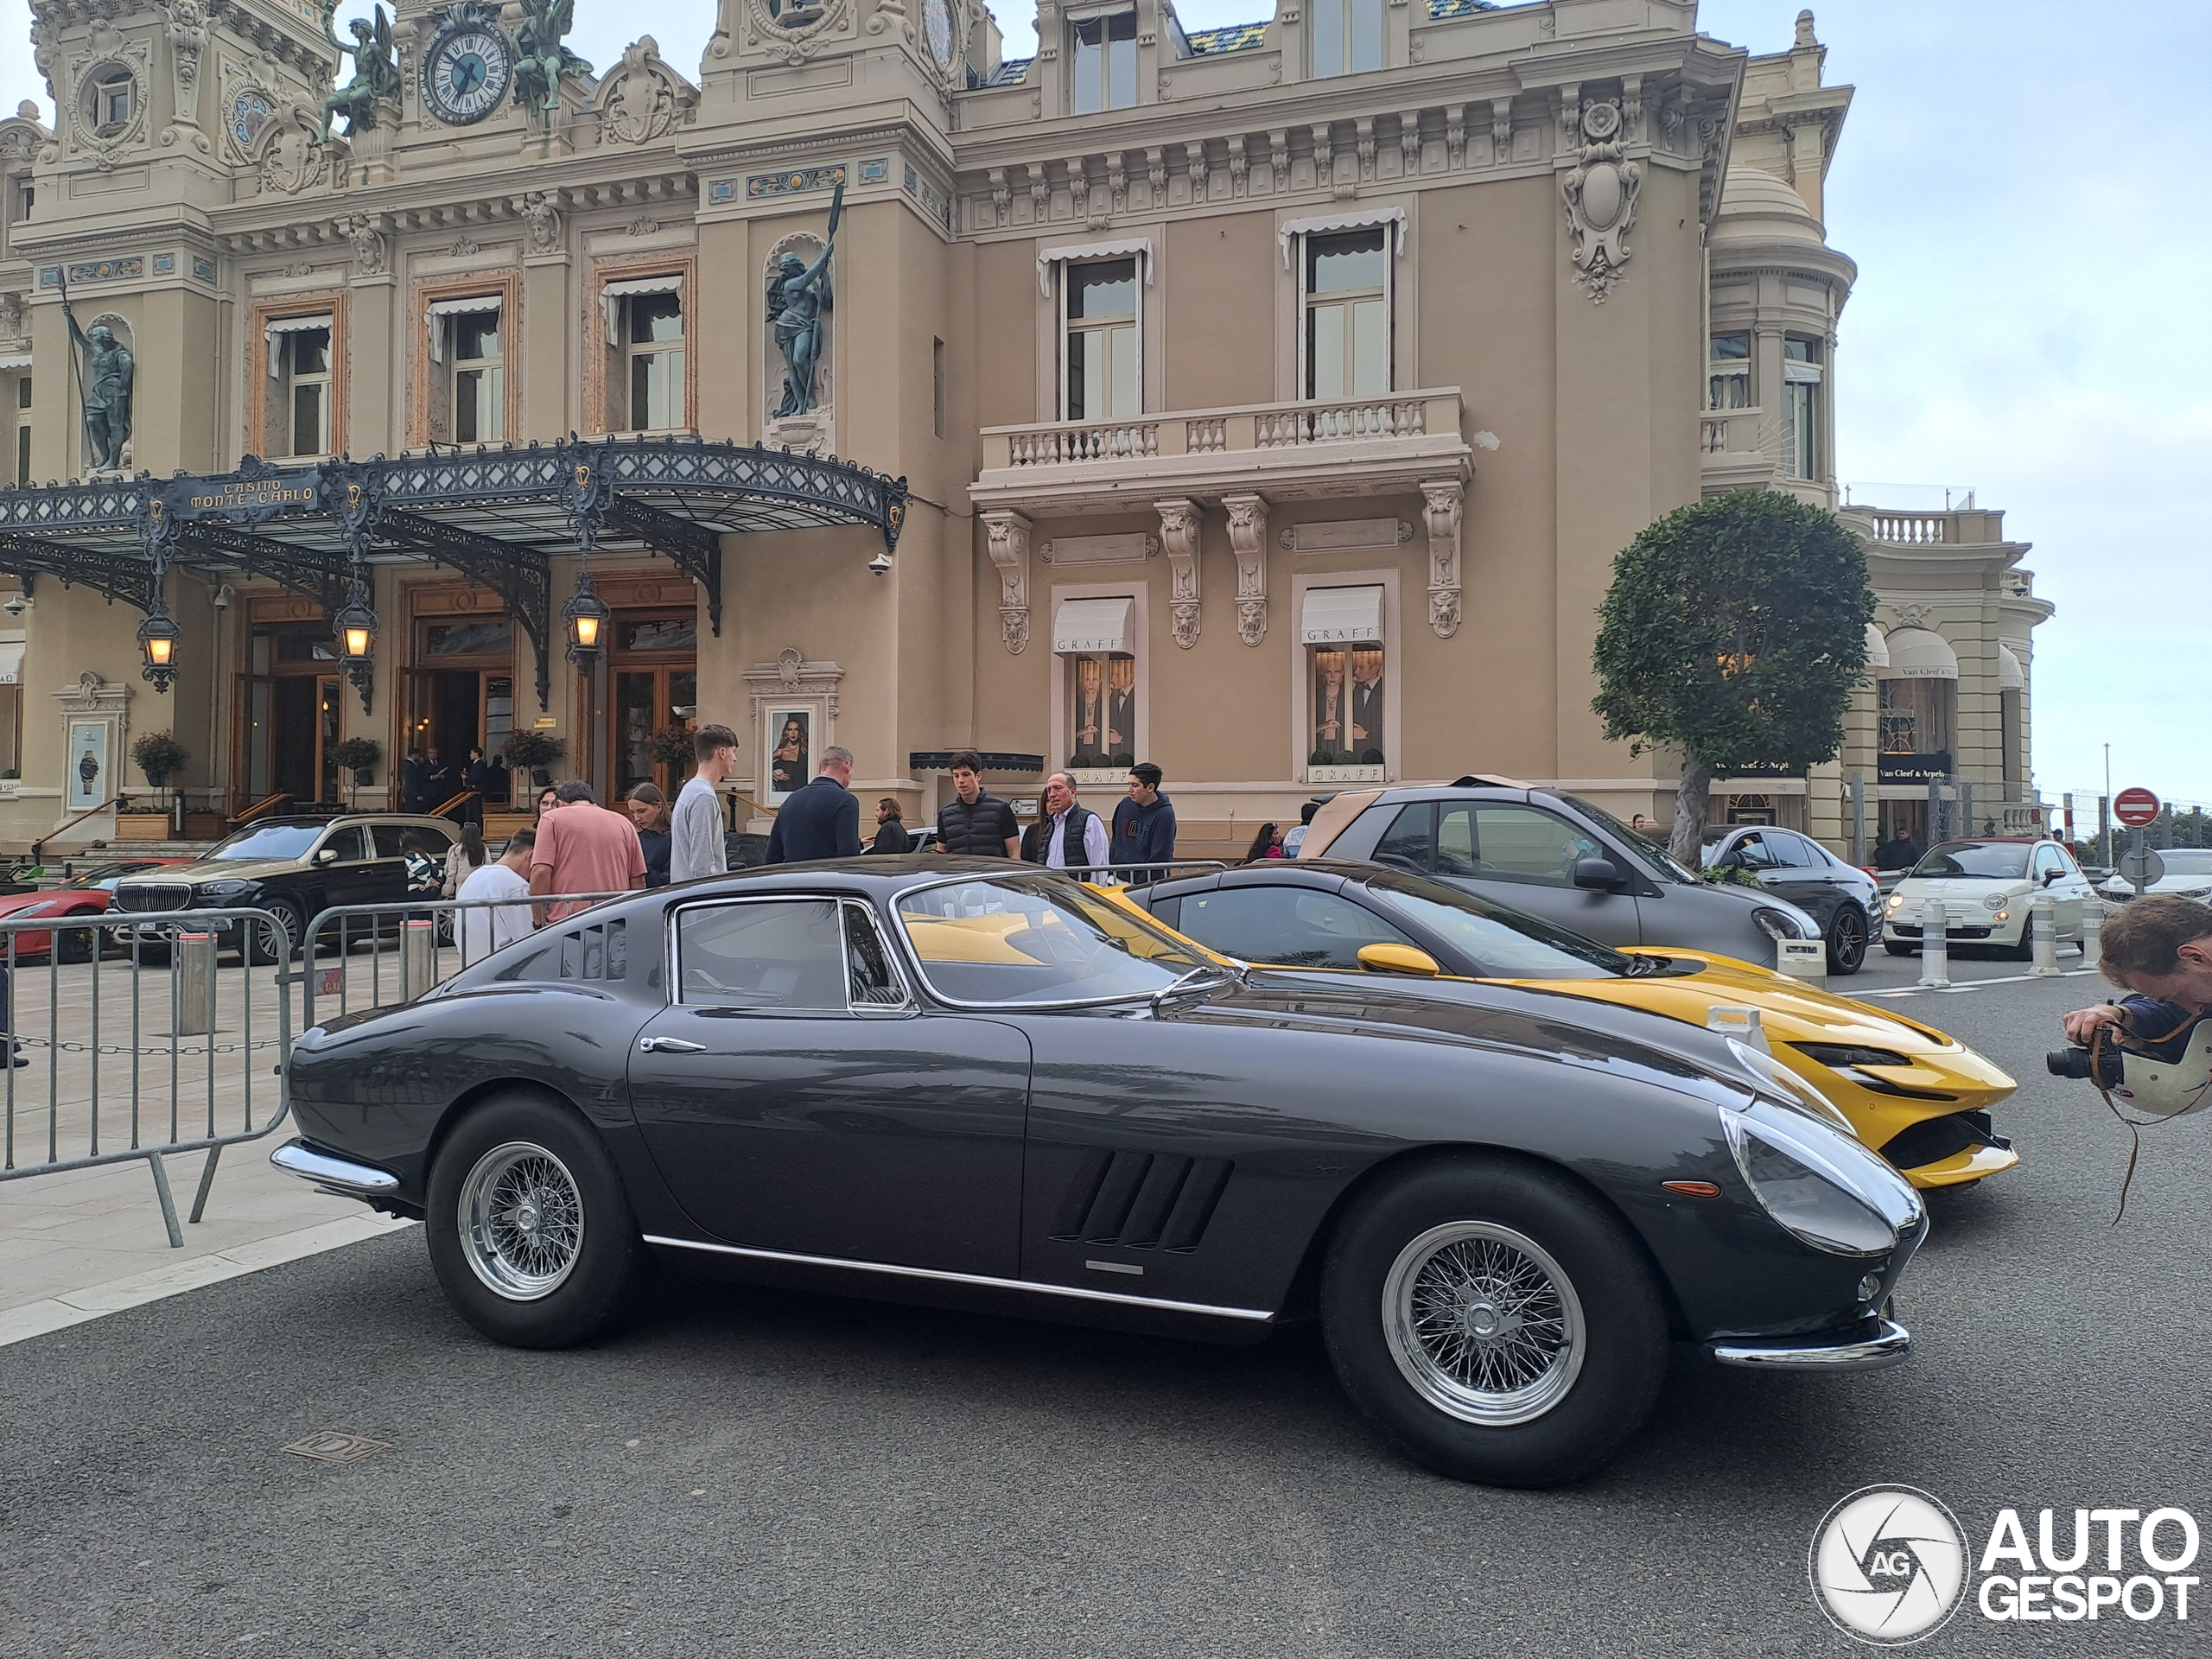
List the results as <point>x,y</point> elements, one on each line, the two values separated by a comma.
<point>669,1045</point>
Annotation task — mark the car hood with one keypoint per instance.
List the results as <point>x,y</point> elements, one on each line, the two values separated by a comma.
<point>15,903</point>
<point>215,869</point>
<point>1960,890</point>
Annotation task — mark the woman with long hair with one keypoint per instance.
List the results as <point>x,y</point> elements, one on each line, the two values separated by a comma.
<point>788,774</point>
<point>649,811</point>
<point>547,800</point>
<point>1267,844</point>
<point>466,855</point>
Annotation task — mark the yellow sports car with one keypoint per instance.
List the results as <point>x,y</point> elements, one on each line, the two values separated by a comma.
<point>1919,1097</point>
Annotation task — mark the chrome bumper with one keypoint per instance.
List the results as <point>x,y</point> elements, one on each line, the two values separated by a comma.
<point>1890,1344</point>
<point>339,1175</point>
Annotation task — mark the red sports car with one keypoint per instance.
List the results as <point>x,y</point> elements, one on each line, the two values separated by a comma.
<point>87,894</point>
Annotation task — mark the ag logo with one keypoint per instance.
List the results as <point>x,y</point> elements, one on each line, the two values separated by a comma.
<point>1889,1565</point>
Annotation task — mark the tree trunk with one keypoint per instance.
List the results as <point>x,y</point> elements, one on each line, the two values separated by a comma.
<point>1693,796</point>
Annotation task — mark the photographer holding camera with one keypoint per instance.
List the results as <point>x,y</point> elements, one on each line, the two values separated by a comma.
<point>2159,948</point>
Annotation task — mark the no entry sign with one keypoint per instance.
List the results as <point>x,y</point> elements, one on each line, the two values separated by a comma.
<point>2135,807</point>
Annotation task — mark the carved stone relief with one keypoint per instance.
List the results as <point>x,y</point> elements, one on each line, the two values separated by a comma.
<point>1444,499</point>
<point>1600,197</point>
<point>1007,537</point>
<point>541,218</point>
<point>1178,537</point>
<point>368,243</point>
<point>1247,538</point>
<point>108,53</point>
<point>642,97</point>
<point>288,160</point>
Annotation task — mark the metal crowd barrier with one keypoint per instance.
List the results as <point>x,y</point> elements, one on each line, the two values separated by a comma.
<point>124,1041</point>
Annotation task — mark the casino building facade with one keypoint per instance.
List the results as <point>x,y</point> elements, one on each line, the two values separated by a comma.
<point>1266,402</point>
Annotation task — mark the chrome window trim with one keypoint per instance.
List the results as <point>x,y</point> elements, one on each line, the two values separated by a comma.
<point>1035,871</point>
<point>908,1003</point>
<point>982,1280</point>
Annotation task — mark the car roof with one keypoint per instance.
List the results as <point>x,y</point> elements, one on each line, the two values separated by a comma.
<point>302,821</point>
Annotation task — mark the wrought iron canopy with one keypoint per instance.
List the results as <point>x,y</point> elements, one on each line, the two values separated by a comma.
<point>497,513</point>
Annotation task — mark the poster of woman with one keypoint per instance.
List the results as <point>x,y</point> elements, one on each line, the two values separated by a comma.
<point>1331,744</point>
<point>86,770</point>
<point>788,771</point>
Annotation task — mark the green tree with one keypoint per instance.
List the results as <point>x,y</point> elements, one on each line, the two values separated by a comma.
<point>1735,631</point>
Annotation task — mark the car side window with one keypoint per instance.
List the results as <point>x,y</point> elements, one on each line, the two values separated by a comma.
<point>1753,853</point>
<point>1408,843</point>
<point>1504,842</point>
<point>386,839</point>
<point>1792,851</point>
<point>775,954</point>
<point>2048,859</point>
<point>346,843</point>
<point>871,980</point>
<point>1288,927</point>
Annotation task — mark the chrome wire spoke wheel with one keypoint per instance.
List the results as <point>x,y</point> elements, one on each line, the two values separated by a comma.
<point>1483,1323</point>
<point>521,1221</point>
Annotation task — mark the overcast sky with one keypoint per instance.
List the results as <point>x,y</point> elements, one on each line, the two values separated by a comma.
<point>2019,182</point>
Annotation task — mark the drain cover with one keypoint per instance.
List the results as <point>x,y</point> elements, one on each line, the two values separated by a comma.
<point>335,1446</point>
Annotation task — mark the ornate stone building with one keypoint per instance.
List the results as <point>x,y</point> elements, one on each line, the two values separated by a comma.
<point>1269,401</point>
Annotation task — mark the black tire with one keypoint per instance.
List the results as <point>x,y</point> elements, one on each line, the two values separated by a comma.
<point>1847,940</point>
<point>576,1211</point>
<point>1897,950</point>
<point>2025,950</point>
<point>1605,1336</point>
<point>264,951</point>
<point>74,944</point>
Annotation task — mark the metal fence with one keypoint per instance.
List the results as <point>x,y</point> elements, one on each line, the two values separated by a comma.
<point>124,1041</point>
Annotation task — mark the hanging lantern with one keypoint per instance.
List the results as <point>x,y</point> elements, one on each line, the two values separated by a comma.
<point>157,638</point>
<point>587,616</point>
<point>355,628</point>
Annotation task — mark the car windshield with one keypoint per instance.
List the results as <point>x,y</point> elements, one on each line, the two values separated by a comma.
<point>2186,861</point>
<point>269,841</point>
<point>1989,860</point>
<point>104,876</point>
<point>1655,861</point>
<point>1504,942</point>
<point>1040,939</point>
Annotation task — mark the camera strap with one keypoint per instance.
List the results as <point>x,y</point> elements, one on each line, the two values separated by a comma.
<point>2135,1126</point>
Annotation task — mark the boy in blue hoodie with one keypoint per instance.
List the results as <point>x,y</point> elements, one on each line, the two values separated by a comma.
<point>1144,829</point>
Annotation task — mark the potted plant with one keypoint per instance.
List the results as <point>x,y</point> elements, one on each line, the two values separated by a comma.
<point>672,745</point>
<point>535,751</point>
<point>358,755</point>
<point>160,757</point>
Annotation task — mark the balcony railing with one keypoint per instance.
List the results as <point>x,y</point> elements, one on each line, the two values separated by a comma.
<point>1905,528</point>
<point>1224,431</point>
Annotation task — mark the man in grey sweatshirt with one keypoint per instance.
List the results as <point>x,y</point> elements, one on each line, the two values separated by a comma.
<point>697,847</point>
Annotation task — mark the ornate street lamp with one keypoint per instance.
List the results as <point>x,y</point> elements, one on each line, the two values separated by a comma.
<point>354,627</point>
<point>157,638</point>
<point>587,616</point>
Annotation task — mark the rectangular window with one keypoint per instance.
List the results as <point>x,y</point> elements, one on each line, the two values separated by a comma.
<point>1347,704</point>
<point>303,362</point>
<point>1102,709</point>
<point>787,955</point>
<point>1104,60</point>
<point>1099,320</point>
<point>1729,381</point>
<point>1801,403</point>
<point>479,384</point>
<point>1347,36</point>
<point>111,104</point>
<point>1347,304</point>
<point>26,198</point>
<point>654,332</point>
<point>23,428</point>
<point>936,387</point>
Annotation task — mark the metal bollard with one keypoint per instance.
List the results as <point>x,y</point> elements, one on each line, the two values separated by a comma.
<point>418,945</point>
<point>1935,945</point>
<point>192,984</point>
<point>2042,922</point>
<point>2093,931</point>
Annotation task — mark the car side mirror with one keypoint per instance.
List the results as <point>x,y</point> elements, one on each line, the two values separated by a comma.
<point>1398,959</point>
<point>1596,874</point>
<point>2050,876</point>
<point>327,856</point>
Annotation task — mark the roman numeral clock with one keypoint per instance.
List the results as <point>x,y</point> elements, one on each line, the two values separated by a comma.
<point>470,66</point>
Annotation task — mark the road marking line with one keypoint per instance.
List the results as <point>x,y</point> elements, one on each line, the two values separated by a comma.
<point>1970,985</point>
<point>96,1301</point>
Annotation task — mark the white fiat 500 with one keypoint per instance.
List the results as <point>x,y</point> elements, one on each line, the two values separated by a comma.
<point>1985,884</point>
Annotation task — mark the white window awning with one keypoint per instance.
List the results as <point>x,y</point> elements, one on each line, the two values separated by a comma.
<point>1076,253</point>
<point>440,309</point>
<point>15,360</point>
<point>1353,219</point>
<point>1341,616</point>
<point>277,327</point>
<point>11,662</point>
<point>1081,626</point>
<point>611,298</point>
<point>2011,676</point>
<point>1798,374</point>
<point>1920,654</point>
<point>1878,648</point>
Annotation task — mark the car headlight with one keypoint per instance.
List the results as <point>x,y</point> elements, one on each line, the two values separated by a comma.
<point>222,892</point>
<point>1996,900</point>
<point>1896,900</point>
<point>1779,924</point>
<point>1841,1054</point>
<point>1819,1186</point>
<point>1787,1089</point>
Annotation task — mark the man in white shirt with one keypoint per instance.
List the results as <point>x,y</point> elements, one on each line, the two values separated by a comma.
<point>696,844</point>
<point>1067,837</point>
<point>483,931</point>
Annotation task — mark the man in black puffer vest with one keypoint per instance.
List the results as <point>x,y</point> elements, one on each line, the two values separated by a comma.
<point>974,822</point>
<point>1067,837</point>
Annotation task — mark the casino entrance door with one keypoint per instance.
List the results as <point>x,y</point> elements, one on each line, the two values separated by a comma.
<point>288,712</point>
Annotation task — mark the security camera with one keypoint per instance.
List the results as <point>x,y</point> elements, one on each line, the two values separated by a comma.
<point>15,605</point>
<point>881,564</point>
<point>221,598</point>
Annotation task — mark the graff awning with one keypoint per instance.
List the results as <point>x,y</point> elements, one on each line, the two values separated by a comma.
<point>497,515</point>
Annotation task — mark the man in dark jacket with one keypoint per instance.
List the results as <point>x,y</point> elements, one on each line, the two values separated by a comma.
<point>415,782</point>
<point>821,821</point>
<point>1144,826</point>
<point>890,835</point>
<point>973,821</point>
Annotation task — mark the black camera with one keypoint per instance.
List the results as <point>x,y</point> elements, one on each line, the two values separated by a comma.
<point>2105,1066</point>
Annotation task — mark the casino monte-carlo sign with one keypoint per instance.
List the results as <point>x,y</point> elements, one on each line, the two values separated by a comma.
<point>246,498</point>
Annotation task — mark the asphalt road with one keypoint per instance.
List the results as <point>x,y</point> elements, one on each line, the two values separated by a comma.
<point>750,1473</point>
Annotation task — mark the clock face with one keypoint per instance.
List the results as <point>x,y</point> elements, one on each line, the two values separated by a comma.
<point>936,18</point>
<point>467,74</point>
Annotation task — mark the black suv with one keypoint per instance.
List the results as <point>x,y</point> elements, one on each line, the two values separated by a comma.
<point>292,868</point>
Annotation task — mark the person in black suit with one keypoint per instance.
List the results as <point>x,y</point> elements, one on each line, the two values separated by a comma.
<point>413,782</point>
<point>1367,706</point>
<point>891,832</point>
<point>1122,710</point>
<point>440,785</point>
<point>821,821</point>
<point>477,776</point>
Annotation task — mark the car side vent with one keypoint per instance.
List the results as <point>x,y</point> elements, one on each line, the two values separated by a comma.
<point>594,952</point>
<point>1141,1200</point>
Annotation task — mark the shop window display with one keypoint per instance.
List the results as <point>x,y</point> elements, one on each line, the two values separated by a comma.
<point>1101,710</point>
<point>1347,702</point>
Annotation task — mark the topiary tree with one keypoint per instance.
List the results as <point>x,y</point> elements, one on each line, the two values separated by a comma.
<point>1735,630</point>
<point>160,756</point>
